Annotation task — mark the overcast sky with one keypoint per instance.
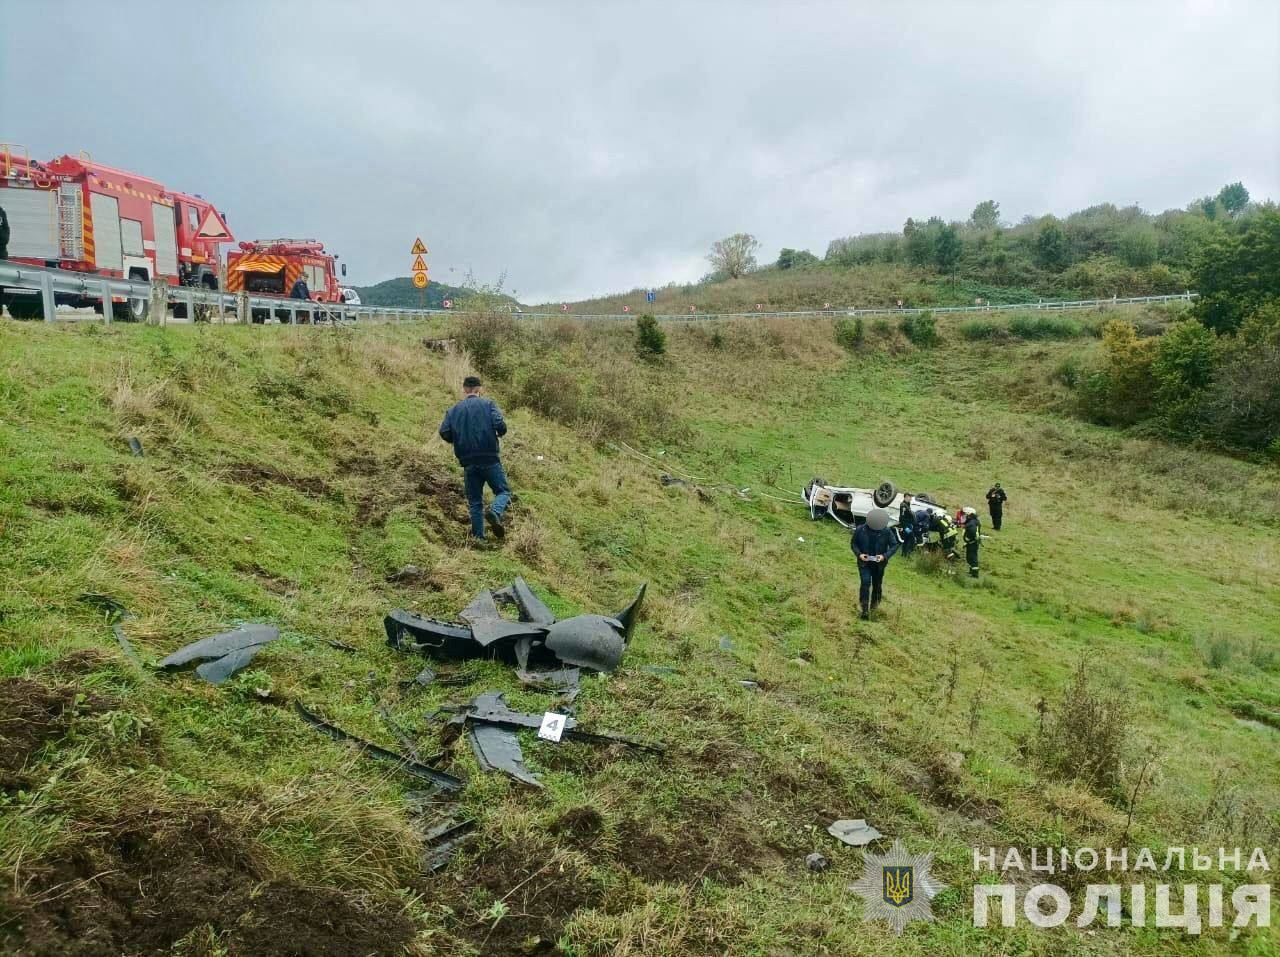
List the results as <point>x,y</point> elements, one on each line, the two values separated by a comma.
<point>597,146</point>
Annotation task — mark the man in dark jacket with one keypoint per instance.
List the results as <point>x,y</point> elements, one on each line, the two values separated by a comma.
<point>874,543</point>
<point>300,290</point>
<point>906,525</point>
<point>4,248</point>
<point>972,539</point>
<point>473,427</point>
<point>995,502</point>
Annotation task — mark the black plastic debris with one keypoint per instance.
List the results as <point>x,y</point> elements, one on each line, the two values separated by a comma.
<point>116,614</point>
<point>816,862</point>
<point>341,646</point>
<point>135,446</point>
<point>491,728</point>
<point>446,782</point>
<point>592,642</point>
<point>498,749</point>
<point>224,654</point>
<point>441,841</point>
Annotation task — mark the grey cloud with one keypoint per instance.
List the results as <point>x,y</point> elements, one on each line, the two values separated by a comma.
<point>587,148</point>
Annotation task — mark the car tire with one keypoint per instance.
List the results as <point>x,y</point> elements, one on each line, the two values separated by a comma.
<point>884,494</point>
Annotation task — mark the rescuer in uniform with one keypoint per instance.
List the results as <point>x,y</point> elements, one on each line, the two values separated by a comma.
<point>300,290</point>
<point>874,543</point>
<point>906,525</point>
<point>995,502</point>
<point>972,539</point>
<point>473,428</point>
<point>4,247</point>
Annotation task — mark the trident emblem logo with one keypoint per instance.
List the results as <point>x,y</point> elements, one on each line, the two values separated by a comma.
<point>898,885</point>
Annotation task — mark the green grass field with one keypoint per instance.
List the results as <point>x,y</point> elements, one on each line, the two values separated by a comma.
<point>290,473</point>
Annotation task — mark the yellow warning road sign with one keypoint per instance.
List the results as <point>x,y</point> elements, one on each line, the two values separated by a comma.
<point>418,248</point>
<point>419,264</point>
<point>420,280</point>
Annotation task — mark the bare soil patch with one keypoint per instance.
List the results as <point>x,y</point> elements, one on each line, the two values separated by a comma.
<point>151,877</point>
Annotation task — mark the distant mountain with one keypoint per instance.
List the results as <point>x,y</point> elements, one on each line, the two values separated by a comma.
<point>401,292</point>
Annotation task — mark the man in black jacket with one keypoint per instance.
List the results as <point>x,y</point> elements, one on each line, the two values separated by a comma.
<point>473,427</point>
<point>874,543</point>
<point>906,525</point>
<point>972,539</point>
<point>4,248</point>
<point>995,502</point>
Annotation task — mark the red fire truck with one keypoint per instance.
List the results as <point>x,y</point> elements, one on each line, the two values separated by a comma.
<point>272,266</point>
<point>72,213</point>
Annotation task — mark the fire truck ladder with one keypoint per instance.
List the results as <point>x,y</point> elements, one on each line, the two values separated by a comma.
<point>71,221</point>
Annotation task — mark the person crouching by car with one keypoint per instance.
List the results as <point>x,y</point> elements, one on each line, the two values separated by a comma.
<point>874,543</point>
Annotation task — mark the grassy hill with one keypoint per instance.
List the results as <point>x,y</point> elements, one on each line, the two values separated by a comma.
<point>401,293</point>
<point>289,476</point>
<point>1098,252</point>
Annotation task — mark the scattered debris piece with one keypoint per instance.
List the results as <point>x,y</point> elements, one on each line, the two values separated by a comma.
<point>341,646</point>
<point>491,728</point>
<point>446,782</point>
<point>439,345</point>
<point>223,654</point>
<point>408,573</point>
<point>726,643</point>
<point>749,685</point>
<point>442,841</point>
<point>669,480</point>
<point>816,862</point>
<point>135,446</point>
<point>116,614</point>
<point>855,833</point>
<point>423,678</point>
<point>593,642</point>
<point>498,749</point>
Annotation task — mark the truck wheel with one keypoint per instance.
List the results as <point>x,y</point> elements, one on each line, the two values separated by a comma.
<point>131,310</point>
<point>885,494</point>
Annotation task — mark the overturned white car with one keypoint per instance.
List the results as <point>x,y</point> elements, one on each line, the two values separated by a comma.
<point>849,506</point>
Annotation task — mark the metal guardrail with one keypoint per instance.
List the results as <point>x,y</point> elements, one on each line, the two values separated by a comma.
<point>1056,304</point>
<point>53,282</point>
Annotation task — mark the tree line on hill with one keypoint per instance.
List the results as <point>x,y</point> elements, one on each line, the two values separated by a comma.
<point>1101,251</point>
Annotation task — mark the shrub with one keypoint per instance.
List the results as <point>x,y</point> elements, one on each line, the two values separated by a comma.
<point>882,328</point>
<point>982,329</point>
<point>1045,327</point>
<point>484,336</point>
<point>920,329</point>
<point>1084,737</point>
<point>850,333</point>
<point>1183,369</point>
<point>1067,372</point>
<point>651,341</point>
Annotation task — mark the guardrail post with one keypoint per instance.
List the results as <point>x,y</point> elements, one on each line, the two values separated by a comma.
<point>191,305</point>
<point>107,310</point>
<point>242,308</point>
<point>46,295</point>
<point>159,312</point>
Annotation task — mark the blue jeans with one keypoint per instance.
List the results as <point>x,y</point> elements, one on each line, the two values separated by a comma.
<point>474,479</point>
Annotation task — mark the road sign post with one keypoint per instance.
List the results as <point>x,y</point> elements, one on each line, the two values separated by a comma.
<point>419,269</point>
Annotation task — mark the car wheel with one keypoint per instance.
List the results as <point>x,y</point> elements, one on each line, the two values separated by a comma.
<point>885,494</point>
